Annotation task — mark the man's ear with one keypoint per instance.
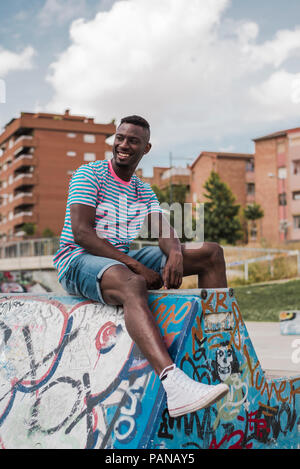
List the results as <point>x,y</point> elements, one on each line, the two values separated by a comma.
<point>148,148</point>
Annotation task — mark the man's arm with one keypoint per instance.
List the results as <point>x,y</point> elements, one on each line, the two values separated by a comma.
<point>171,246</point>
<point>83,220</point>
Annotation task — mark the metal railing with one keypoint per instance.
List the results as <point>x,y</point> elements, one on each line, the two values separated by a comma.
<point>29,248</point>
<point>49,246</point>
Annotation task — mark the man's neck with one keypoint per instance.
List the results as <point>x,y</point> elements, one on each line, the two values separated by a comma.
<point>123,172</point>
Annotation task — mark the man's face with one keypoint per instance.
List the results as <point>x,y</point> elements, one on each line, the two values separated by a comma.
<point>130,144</point>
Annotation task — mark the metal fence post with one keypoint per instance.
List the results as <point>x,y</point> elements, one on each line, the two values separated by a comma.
<point>246,272</point>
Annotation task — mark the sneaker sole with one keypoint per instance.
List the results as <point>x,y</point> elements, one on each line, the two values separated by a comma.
<point>210,398</point>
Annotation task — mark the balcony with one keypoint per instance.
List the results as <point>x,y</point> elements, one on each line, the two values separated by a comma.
<point>23,143</point>
<point>23,138</point>
<point>24,179</point>
<point>26,159</point>
<point>26,216</point>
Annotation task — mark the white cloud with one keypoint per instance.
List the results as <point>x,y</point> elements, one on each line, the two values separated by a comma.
<point>12,61</point>
<point>275,52</point>
<point>279,95</point>
<point>174,63</point>
<point>58,12</point>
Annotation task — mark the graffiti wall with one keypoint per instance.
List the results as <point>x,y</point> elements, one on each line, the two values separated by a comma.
<point>289,322</point>
<point>70,377</point>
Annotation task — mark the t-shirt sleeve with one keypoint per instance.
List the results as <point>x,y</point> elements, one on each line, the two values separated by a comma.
<point>153,204</point>
<point>83,188</point>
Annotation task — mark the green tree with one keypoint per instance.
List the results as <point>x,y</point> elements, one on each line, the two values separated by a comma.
<point>175,195</point>
<point>221,221</point>
<point>253,212</point>
<point>29,228</point>
<point>47,233</point>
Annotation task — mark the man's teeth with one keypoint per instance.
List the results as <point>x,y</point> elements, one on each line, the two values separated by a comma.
<point>123,154</point>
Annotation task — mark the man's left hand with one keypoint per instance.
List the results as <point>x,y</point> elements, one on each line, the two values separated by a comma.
<point>173,271</point>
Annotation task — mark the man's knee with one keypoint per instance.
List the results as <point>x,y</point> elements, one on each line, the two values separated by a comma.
<point>216,253</point>
<point>135,284</point>
<point>120,283</point>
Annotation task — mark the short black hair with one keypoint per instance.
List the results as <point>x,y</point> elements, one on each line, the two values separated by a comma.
<point>136,120</point>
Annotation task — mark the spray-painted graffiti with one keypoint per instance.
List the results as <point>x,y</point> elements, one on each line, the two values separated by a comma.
<point>256,413</point>
<point>289,322</point>
<point>70,377</point>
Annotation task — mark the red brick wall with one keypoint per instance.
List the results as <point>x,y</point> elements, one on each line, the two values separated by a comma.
<point>232,171</point>
<point>54,172</point>
<point>267,188</point>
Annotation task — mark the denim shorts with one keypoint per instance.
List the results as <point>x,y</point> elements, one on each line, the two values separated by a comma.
<point>85,271</point>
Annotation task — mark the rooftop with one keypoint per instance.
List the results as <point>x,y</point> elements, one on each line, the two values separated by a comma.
<point>222,154</point>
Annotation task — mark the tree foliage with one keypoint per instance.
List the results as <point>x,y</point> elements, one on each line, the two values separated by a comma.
<point>253,212</point>
<point>221,219</point>
<point>175,194</point>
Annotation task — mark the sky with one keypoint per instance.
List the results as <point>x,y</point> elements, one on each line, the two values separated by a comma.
<point>207,74</point>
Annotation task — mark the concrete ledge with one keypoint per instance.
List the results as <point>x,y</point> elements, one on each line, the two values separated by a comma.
<point>71,377</point>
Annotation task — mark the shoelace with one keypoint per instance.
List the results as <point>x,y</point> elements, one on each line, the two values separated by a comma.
<point>165,371</point>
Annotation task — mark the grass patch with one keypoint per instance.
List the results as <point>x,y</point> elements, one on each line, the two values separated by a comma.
<point>264,302</point>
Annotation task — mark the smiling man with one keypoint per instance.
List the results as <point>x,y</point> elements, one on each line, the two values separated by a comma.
<point>106,208</point>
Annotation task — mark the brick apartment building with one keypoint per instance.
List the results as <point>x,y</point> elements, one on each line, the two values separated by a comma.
<point>38,154</point>
<point>277,182</point>
<point>235,169</point>
<point>163,177</point>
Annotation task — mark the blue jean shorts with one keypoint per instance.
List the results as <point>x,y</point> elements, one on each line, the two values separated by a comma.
<point>85,271</point>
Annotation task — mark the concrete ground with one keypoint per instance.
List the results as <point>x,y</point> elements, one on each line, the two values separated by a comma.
<point>279,355</point>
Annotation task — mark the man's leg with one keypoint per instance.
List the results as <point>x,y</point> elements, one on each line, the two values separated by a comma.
<point>208,263</point>
<point>121,286</point>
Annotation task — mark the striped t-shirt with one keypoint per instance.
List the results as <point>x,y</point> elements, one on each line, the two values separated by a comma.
<point>120,206</point>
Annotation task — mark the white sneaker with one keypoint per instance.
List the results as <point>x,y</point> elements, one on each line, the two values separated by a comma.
<point>185,395</point>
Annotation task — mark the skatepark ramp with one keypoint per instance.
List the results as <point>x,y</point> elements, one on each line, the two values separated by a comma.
<point>71,377</point>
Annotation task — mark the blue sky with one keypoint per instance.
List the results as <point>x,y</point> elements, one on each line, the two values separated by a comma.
<point>209,75</point>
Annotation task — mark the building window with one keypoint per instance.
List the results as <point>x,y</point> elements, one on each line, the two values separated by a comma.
<point>250,165</point>
<point>88,138</point>
<point>296,167</point>
<point>89,157</point>
<point>282,198</point>
<point>282,173</point>
<point>296,195</point>
<point>71,135</point>
<point>71,153</point>
<point>108,155</point>
<point>296,220</point>
<point>250,188</point>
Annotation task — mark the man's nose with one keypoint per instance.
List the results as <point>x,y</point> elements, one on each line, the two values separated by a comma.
<point>124,143</point>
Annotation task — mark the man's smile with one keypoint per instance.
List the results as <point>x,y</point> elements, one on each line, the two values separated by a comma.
<point>122,155</point>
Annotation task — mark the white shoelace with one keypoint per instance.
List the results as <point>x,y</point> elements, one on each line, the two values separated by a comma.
<point>165,371</point>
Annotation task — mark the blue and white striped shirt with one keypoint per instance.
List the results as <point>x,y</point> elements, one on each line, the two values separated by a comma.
<point>121,208</point>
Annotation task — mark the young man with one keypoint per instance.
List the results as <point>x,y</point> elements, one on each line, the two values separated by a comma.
<point>106,207</point>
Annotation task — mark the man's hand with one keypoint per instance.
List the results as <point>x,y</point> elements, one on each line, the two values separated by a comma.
<point>173,271</point>
<point>153,279</point>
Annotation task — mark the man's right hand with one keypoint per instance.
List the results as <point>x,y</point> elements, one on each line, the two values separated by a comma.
<point>153,279</point>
